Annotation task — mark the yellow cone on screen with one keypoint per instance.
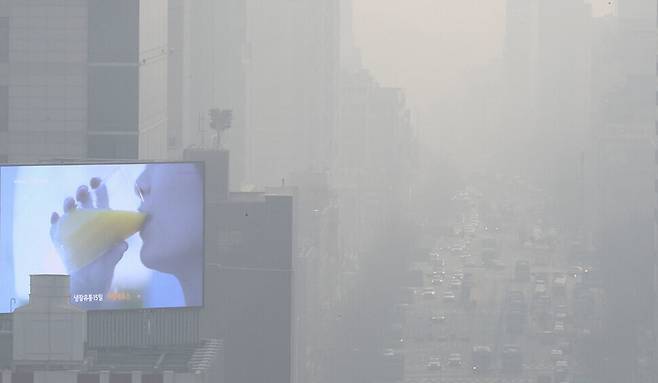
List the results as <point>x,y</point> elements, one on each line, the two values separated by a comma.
<point>87,234</point>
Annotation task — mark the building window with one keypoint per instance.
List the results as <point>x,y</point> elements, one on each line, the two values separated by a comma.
<point>88,378</point>
<point>152,378</point>
<point>113,99</point>
<point>4,108</point>
<point>22,377</point>
<point>172,142</point>
<point>120,378</point>
<point>112,147</point>
<point>111,41</point>
<point>4,39</point>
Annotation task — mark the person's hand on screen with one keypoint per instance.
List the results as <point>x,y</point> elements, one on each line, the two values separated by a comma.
<point>96,276</point>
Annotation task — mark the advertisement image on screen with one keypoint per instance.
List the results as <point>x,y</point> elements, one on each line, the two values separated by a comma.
<point>129,235</point>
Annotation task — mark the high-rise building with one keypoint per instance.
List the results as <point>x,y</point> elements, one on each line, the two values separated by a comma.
<point>83,79</point>
<point>622,162</point>
<point>248,276</point>
<point>206,71</point>
<point>562,106</point>
<point>291,78</point>
<point>520,60</point>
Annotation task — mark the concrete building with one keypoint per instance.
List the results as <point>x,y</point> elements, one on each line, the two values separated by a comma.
<point>546,111</point>
<point>274,65</point>
<point>622,168</point>
<point>317,263</point>
<point>249,276</point>
<point>291,77</point>
<point>562,111</point>
<point>374,122</point>
<point>50,340</point>
<point>79,84</point>
<point>519,74</point>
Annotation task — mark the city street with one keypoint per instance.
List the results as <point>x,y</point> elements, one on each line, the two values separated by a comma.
<point>438,326</point>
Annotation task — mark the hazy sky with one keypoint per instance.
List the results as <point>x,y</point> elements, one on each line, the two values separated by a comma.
<point>428,47</point>
<point>432,48</point>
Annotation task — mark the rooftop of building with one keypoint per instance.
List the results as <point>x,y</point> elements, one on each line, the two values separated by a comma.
<point>179,358</point>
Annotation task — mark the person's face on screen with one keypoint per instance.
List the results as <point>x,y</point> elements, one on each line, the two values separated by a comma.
<point>172,196</point>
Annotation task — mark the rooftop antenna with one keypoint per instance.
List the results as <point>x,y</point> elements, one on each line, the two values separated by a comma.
<point>220,121</point>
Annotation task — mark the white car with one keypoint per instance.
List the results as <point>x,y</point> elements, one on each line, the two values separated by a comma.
<point>449,296</point>
<point>434,363</point>
<point>458,275</point>
<point>556,354</point>
<point>428,292</point>
<point>438,318</point>
<point>559,327</point>
<point>561,312</point>
<point>455,360</point>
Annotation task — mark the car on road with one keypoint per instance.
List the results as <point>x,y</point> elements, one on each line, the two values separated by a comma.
<point>543,302</point>
<point>439,273</point>
<point>428,292</point>
<point>458,275</point>
<point>455,360</point>
<point>561,312</point>
<point>481,359</point>
<point>575,271</point>
<point>449,296</point>
<point>559,327</point>
<point>434,363</point>
<point>540,289</point>
<point>437,281</point>
<point>561,371</point>
<point>458,249</point>
<point>438,318</point>
<point>560,285</point>
<point>564,345</point>
<point>541,277</point>
<point>559,278</point>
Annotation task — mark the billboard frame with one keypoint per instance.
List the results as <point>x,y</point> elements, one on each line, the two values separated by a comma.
<point>202,164</point>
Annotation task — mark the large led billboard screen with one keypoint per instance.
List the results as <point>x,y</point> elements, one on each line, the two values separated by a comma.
<point>129,235</point>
